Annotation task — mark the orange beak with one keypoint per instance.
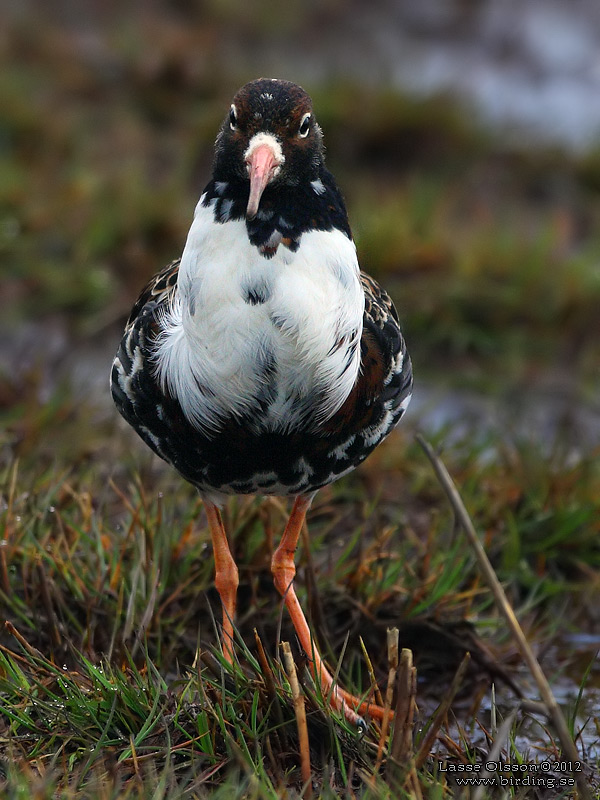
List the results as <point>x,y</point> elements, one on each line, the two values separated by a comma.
<point>262,166</point>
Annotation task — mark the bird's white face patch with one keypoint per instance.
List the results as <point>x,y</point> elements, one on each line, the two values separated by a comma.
<point>262,138</point>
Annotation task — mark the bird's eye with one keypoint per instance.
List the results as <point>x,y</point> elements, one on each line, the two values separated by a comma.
<point>304,126</point>
<point>233,118</point>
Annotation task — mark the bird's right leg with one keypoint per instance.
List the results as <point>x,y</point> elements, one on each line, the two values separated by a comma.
<point>226,575</point>
<point>284,571</point>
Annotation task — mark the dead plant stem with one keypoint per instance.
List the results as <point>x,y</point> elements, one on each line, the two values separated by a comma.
<point>553,709</point>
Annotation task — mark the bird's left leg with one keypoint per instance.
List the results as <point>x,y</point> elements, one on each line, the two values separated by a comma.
<point>226,575</point>
<point>284,570</point>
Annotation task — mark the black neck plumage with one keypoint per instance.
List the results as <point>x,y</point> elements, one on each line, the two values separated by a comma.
<point>286,211</point>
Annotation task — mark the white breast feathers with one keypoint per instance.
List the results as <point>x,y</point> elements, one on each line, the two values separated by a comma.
<point>275,340</point>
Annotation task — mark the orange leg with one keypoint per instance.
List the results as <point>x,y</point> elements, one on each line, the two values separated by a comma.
<point>226,575</point>
<point>284,570</point>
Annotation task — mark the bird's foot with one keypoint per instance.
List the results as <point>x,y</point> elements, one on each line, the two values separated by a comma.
<point>352,707</point>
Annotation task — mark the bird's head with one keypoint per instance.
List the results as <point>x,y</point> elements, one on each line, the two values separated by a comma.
<point>269,137</point>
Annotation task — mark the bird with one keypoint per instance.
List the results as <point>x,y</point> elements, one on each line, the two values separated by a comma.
<point>263,361</point>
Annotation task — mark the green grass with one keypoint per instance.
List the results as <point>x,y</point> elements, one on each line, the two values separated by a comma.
<point>113,685</point>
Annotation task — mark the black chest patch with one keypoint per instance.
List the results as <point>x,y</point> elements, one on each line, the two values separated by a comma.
<point>255,296</point>
<point>257,292</point>
<point>285,213</point>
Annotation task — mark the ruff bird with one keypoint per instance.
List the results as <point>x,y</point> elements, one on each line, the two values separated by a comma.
<point>263,361</point>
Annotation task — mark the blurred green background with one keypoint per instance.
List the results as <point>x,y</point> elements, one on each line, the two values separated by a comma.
<point>475,204</point>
